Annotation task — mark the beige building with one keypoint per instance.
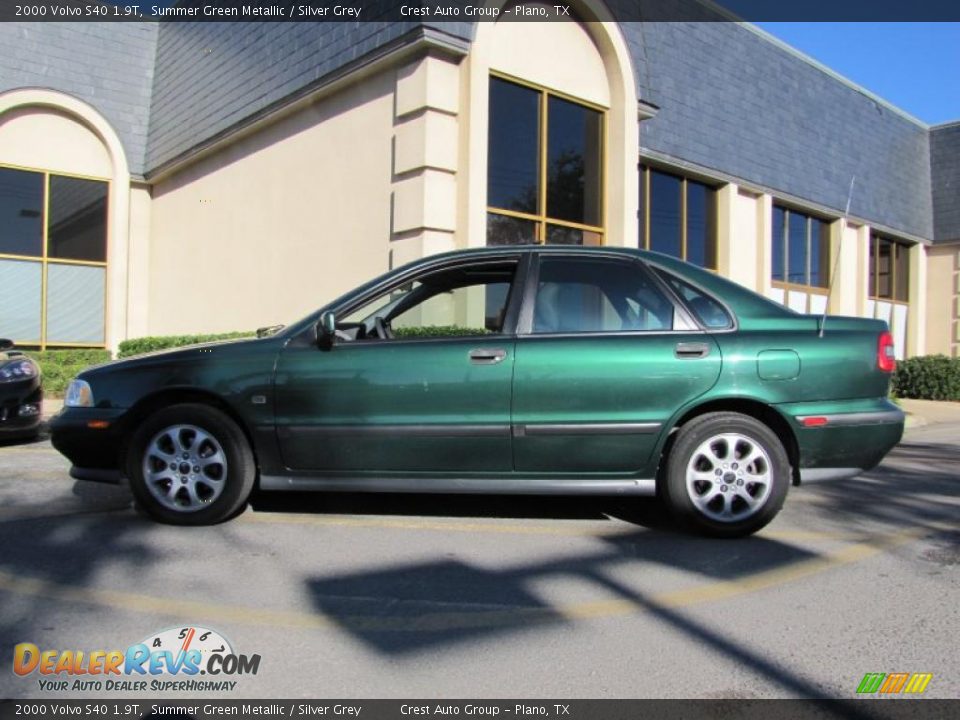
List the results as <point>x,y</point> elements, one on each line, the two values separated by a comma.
<point>214,205</point>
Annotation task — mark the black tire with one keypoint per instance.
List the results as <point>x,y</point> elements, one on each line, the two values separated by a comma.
<point>765,480</point>
<point>219,490</point>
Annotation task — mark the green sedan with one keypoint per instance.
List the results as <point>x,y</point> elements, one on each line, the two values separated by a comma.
<point>529,370</point>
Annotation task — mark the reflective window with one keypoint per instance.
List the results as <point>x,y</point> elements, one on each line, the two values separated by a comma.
<point>678,217</point>
<point>513,147</point>
<point>21,212</point>
<point>574,139</point>
<point>508,230</point>
<point>576,295</point>
<point>889,269</point>
<point>544,168</point>
<point>54,289</point>
<point>800,252</point>
<point>78,219</point>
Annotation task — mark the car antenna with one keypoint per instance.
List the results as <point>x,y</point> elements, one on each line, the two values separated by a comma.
<point>836,263</point>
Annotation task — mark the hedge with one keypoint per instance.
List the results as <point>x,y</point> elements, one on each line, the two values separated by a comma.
<point>59,367</point>
<point>138,346</point>
<point>928,377</point>
<point>437,331</point>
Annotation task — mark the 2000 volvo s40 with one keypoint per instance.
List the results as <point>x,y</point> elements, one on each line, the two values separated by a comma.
<point>503,370</point>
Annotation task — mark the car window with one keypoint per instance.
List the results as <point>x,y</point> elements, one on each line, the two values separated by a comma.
<point>598,295</point>
<point>710,313</point>
<point>464,301</point>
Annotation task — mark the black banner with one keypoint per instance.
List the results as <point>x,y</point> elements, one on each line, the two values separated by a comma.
<point>199,709</point>
<point>476,10</point>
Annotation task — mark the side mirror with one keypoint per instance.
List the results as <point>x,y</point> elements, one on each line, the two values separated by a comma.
<point>5,344</point>
<point>327,330</point>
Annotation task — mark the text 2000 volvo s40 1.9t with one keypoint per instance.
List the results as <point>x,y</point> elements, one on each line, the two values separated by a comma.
<point>533,370</point>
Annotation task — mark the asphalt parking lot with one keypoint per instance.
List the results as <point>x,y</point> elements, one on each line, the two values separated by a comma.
<point>388,596</point>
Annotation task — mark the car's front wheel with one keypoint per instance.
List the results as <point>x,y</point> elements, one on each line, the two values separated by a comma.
<point>190,464</point>
<point>727,474</point>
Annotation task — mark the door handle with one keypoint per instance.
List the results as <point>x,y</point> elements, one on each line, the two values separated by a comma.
<point>487,356</point>
<point>691,350</point>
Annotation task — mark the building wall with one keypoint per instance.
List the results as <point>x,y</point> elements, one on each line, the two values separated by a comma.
<point>943,305</point>
<point>735,102</point>
<point>107,65</point>
<point>945,169</point>
<point>277,223</point>
<point>210,76</point>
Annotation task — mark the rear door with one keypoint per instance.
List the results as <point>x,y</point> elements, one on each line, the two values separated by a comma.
<point>604,358</point>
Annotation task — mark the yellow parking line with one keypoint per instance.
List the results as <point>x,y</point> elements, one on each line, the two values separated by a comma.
<point>446,620</point>
<point>473,526</point>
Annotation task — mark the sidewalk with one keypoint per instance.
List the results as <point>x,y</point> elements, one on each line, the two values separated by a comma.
<point>929,412</point>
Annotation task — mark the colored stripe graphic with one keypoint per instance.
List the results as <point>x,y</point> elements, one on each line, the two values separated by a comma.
<point>918,682</point>
<point>871,683</point>
<point>893,683</point>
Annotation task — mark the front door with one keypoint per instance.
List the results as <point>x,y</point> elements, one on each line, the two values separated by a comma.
<point>605,363</point>
<point>419,379</point>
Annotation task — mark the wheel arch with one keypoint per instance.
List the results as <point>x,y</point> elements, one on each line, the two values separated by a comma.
<point>750,407</point>
<point>150,404</point>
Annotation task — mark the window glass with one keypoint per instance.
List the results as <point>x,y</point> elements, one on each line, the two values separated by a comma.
<point>576,295</point>
<point>477,309</point>
<point>797,249</point>
<point>884,268</point>
<point>819,253</point>
<point>78,219</point>
<point>21,212</point>
<point>778,263</point>
<point>513,165</point>
<point>708,311</point>
<point>902,274</point>
<point>75,303</point>
<point>701,211</point>
<point>573,162</point>
<point>452,302</point>
<point>506,230</point>
<point>560,235</point>
<point>665,217</point>
<point>873,267</point>
<point>21,283</point>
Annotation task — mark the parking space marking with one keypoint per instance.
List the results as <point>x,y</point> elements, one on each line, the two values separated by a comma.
<point>472,526</point>
<point>454,618</point>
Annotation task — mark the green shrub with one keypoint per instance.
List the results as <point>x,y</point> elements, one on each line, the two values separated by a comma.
<point>138,346</point>
<point>437,331</point>
<point>59,367</point>
<point>928,377</point>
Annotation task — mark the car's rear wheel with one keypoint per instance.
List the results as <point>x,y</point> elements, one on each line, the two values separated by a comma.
<point>190,464</point>
<point>727,474</point>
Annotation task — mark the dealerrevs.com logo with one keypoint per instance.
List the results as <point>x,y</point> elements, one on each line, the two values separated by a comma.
<point>170,660</point>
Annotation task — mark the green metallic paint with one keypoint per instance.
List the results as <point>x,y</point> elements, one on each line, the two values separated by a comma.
<point>319,405</point>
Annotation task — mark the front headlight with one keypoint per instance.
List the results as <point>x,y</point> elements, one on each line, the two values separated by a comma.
<point>18,370</point>
<point>79,394</point>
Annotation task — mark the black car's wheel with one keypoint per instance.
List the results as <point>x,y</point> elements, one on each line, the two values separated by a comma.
<point>727,474</point>
<point>190,465</point>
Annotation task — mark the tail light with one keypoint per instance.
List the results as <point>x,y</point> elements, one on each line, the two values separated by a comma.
<point>886,359</point>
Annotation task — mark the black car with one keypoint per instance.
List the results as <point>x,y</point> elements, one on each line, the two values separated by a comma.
<point>21,394</point>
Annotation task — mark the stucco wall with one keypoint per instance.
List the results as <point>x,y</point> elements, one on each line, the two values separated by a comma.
<point>278,223</point>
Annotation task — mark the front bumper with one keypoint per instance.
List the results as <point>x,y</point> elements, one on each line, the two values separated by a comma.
<point>21,408</point>
<point>95,450</point>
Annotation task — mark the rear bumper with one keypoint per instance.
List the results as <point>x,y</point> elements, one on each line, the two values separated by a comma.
<point>96,452</point>
<point>841,439</point>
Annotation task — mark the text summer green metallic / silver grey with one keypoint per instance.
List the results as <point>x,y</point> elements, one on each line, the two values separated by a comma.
<point>534,370</point>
